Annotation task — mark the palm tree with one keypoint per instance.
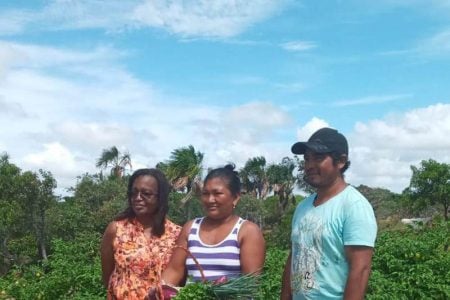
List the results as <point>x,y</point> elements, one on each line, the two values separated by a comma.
<point>184,170</point>
<point>301,183</point>
<point>282,181</point>
<point>254,179</point>
<point>117,161</point>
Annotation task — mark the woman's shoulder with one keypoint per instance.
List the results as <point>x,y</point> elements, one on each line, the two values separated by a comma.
<point>126,224</point>
<point>190,223</point>
<point>110,231</point>
<point>251,234</point>
<point>248,227</point>
<point>171,225</point>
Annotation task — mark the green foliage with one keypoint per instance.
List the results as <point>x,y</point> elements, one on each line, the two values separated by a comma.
<point>279,236</point>
<point>412,264</point>
<point>269,283</point>
<point>25,248</point>
<point>181,213</point>
<point>270,210</point>
<point>243,287</point>
<point>407,264</point>
<point>301,183</point>
<point>183,168</point>
<point>195,291</point>
<point>430,184</point>
<point>282,181</point>
<point>251,209</point>
<point>273,272</point>
<point>382,200</point>
<point>71,272</point>
<point>254,178</point>
<point>98,199</point>
<point>25,199</point>
<point>117,161</point>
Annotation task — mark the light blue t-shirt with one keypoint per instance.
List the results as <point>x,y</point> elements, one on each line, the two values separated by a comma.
<point>319,267</point>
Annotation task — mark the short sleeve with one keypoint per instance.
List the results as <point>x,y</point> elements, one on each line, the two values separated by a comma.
<point>360,226</point>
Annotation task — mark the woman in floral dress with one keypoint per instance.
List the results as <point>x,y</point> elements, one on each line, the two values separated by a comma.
<point>137,245</point>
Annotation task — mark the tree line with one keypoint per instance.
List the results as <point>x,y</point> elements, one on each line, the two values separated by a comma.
<point>32,216</point>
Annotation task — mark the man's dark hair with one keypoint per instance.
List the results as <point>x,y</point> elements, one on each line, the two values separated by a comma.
<point>337,157</point>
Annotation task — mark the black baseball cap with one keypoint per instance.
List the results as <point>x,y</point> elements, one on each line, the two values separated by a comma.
<point>324,140</point>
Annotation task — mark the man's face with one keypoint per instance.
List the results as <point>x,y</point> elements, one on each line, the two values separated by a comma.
<point>320,171</point>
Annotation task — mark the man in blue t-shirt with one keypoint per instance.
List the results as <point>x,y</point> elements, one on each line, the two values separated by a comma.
<point>333,230</point>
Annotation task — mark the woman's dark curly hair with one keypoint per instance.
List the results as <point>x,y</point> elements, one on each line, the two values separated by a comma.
<point>163,199</point>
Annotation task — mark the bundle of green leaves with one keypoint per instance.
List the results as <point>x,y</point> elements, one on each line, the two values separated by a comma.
<point>242,287</point>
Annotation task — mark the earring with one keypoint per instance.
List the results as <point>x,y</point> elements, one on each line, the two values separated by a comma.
<point>234,206</point>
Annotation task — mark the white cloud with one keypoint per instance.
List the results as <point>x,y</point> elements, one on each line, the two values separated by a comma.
<point>64,165</point>
<point>437,45</point>
<point>14,21</point>
<point>54,155</point>
<point>240,132</point>
<point>69,15</point>
<point>11,109</point>
<point>92,136</point>
<point>205,18</point>
<point>61,113</point>
<point>382,151</point>
<point>294,87</point>
<point>68,120</point>
<point>309,128</point>
<point>248,80</point>
<point>297,46</point>
<point>186,18</point>
<point>68,115</point>
<point>435,4</point>
<point>262,115</point>
<point>372,100</point>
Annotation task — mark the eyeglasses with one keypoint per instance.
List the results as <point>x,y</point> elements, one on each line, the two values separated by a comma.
<point>144,194</point>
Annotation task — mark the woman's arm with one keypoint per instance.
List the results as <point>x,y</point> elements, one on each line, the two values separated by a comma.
<point>107,253</point>
<point>253,248</point>
<point>175,272</point>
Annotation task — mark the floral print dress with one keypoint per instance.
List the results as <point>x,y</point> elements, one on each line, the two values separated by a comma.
<point>139,260</point>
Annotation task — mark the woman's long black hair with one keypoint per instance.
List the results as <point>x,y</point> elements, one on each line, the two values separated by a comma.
<point>163,199</point>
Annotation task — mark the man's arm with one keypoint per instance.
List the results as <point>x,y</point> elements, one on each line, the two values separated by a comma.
<point>360,261</point>
<point>286,293</point>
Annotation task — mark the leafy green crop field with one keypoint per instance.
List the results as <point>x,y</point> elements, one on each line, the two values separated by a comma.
<point>408,264</point>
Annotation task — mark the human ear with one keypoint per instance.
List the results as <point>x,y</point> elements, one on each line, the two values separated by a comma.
<point>236,200</point>
<point>342,161</point>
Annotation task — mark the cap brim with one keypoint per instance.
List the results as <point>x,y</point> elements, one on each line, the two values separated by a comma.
<point>301,147</point>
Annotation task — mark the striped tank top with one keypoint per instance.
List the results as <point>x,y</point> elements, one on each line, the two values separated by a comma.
<point>222,259</point>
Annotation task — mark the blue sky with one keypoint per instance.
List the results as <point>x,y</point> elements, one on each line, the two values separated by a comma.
<point>236,79</point>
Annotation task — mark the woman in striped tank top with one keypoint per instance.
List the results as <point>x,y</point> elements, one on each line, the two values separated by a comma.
<point>223,243</point>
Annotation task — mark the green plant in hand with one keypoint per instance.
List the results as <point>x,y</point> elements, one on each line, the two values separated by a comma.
<point>195,291</point>
<point>243,287</point>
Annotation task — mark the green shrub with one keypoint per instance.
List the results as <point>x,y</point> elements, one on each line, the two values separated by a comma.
<point>411,264</point>
<point>71,272</point>
<point>280,235</point>
<point>273,273</point>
